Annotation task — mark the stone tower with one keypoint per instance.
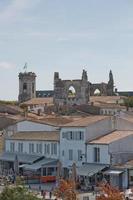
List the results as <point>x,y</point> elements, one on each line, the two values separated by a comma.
<point>110,85</point>
<point>27,86</point>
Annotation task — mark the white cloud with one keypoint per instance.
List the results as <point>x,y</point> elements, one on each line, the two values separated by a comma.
<point>7,65</point>
<point>15,8</point>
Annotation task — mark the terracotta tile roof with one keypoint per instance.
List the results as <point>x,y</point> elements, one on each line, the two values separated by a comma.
<point>36,135</point>
<point>111,106</point>
<point>7,120</point>
<point>129,118</point>
<point>57,121</point>
<point>51,119</point>
<point>109,138</point>
<point>39,101</point>
<point>106,99</point>
<point>85,121</point>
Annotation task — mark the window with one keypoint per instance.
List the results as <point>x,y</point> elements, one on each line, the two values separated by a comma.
<point>12,147</point>
<point>20,147</point>
<point>63,153</point>
<point>24,86</point>
<point>39,148</point>
<point>81,135</point>
<point>31,148</point>
<point>33,87</point>
<point>73,135</point>
<point>48,148</point>
<point>55,148</point>
<point>45,148</point>
<point>52,148</point>
<point>70,154</point>
<point>79,155</point>
<point>96,154</point>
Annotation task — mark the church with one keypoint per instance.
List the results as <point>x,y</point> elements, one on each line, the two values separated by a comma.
<point>65,92</point>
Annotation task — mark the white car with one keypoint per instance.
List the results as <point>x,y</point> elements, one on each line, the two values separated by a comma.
<point>129,194</point>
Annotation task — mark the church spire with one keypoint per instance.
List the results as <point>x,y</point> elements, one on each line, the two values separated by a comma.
<point>111,79</point>
<point>84,75</point>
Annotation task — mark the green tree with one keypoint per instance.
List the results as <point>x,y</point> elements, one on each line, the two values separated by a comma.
<point>17,193</point>
<point>128,102</point>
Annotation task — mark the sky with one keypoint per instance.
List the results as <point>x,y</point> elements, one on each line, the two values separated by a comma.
<point>65,36</point>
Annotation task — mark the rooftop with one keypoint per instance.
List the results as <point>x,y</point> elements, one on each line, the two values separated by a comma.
<point>112,137</point>
<point>85,121</point>
<point>36,135</point>
<point>106,99</point>
<point>39,101</point>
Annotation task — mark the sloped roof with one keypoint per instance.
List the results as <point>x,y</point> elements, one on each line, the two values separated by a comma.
<point>36,135</point>
<point>24,158</point>
<point>39,101</point>
<point>111,137</point>
<point>85,121</point>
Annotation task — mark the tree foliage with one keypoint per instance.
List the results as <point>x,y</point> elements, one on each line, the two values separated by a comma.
<point>8,102</point>
<point>128,102</point>
<point>109,193</point>
<point>65,190</point>
<point>16,193</point>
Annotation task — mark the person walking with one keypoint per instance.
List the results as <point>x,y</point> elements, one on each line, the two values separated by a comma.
<point>50,194</point>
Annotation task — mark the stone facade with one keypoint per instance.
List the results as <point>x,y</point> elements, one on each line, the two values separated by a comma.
<point>62,93</point>
<point>83,89</point>
<point>27,86</point>
<point>66,92</point>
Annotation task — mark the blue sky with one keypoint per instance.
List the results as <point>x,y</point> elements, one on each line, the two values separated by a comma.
<point>65,36</point>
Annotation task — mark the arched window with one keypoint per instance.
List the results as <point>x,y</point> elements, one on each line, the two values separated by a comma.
<point>71,92</point>
<point>97,92</point>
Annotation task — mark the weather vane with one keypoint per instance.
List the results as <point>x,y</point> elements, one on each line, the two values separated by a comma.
<point>25,67</point>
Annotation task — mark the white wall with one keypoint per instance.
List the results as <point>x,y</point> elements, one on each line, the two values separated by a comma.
<point>111,111</point>
<point>26,147</point>
<point>75,145</point>
<point>29,126</point>
<point>99,128</point>
<point>104,153</point>
<point>123,124</point>
<point>32,126</point>
<point>122,145</point>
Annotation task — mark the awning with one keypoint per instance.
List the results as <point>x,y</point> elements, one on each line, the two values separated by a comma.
<point>90,169</point>
<point>113,172</point>
<point>22,158</point>
<point>46,162</point>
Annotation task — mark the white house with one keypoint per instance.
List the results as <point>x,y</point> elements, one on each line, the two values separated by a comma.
<point>74,135</point>
<point>105,149</point>
<point>111,109</point>
<point>26,125</point>
<point>35,143</point>
<point>111,149</point>
<point>36,104</point>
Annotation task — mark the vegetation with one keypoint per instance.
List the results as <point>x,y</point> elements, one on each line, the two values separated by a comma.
<point>8,102</point>
<point>65,190</point>
<point>109,193</point>
<point>128,102</point>
<point>16,193</point>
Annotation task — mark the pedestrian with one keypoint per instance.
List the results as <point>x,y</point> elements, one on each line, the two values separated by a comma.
<point>41,192</point>
<point>50,194</point>
<point>39,187</point>
<point>29,187</point>
<point>44,194</point>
